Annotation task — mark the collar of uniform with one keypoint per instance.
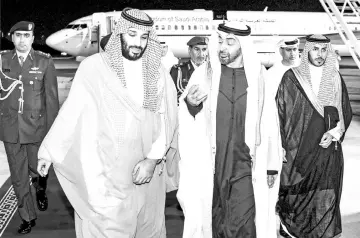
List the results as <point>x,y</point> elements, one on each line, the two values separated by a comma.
<point>194,65</point>
<point>30,53</point>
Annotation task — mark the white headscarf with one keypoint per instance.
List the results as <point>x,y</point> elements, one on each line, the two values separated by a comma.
<point>285,44</point>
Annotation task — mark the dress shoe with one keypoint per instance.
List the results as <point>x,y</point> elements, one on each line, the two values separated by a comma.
<point>42,200</point>
<point>283,233</point>
<point>25,226</point>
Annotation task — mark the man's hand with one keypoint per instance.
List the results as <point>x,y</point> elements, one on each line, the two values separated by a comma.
<point>271,180</point>
<point>326,140</point>
<point>43,167</point>
<point>195,96</point>
<point>144,171</point>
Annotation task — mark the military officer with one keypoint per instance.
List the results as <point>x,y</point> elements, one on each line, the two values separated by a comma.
<point>28,106</point>
<point>181,73</point>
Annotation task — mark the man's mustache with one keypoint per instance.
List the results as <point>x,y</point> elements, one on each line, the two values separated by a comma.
<point>136,47</point>
<point>319,58</point>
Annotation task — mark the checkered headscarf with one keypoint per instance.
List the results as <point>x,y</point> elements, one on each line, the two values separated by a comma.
<point>330,74</point>
<point>151,58</point>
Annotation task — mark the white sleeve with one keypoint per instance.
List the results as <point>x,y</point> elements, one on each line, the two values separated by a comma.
<point>158,148</point>
<point>336,132</point>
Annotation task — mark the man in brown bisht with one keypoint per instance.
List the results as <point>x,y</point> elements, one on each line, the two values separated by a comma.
<point>314,114</point>
<point>108,143</point>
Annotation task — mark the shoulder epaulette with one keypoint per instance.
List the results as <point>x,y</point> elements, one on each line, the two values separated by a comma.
<point>4,51</point>
<point>43,54</point>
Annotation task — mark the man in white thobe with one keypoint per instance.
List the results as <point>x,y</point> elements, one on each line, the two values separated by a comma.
<point>108,143</point>
<point>270,151</point>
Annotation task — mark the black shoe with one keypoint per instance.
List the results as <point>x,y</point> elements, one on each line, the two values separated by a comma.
<point>25,226</point>
<point>42,200</point>
<point>283,233</point>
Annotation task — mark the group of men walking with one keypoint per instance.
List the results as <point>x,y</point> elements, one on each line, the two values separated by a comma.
<point>239,142</point>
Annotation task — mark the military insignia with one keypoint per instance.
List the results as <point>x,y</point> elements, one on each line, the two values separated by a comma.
<point>30,27</point>
<point>6,70</point>
<point>42,53</point>
<point>35,72</point>
<point>184,80</point>
<point>31,82</point>
<point>4,51</point>
<point>34,68</point>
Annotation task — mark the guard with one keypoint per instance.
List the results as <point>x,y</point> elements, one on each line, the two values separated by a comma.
<point>181,73</point>
<point>29,104</point>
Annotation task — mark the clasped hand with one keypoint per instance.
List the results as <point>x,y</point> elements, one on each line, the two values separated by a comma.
<point>144,171</point>
<point>195,95</point>
<point>326,140</point>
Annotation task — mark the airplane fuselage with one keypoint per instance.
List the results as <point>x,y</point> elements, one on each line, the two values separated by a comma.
<point>176,27</point>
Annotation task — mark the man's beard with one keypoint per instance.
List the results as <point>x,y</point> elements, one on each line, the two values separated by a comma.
<point>199,60</point>
<point>226,58</point>
<point>125,50</point>
<point>318,62</point>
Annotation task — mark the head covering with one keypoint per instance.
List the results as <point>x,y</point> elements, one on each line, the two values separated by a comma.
<point>292,43</point>
<point>151,59</point>
<point>327,83</point>
<point>242,33</point>
<point>288,43</point>
<point>198,40</point>
<point>21,26</point>
<point>104,41</point>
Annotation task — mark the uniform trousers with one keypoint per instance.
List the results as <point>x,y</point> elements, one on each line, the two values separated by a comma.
<point>23,159</point>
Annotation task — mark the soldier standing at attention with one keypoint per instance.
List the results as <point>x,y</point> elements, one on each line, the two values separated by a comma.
<point>181,73</point>
<point>28,106</point>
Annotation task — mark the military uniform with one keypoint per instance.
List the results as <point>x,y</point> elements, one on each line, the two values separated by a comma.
<point>26,114</point>
<point>181,74</point>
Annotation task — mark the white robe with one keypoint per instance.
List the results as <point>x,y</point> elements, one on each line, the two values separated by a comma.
<point>197,139</point>
<point>94,154</point>
<point>270,151</point>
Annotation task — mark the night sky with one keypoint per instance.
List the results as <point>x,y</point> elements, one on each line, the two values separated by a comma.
<point>52,15</point>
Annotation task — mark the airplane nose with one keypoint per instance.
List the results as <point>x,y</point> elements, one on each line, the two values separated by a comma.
<point>53,40</point>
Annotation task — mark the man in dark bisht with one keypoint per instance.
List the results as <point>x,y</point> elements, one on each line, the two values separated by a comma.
<point>314,114</point>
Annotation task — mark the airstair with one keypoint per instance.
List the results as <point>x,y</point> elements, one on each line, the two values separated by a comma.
<point>338,10</point>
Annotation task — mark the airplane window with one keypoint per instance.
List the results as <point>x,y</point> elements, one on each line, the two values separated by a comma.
<point>195,27</point>
<point>182,27</point>
<point>207,27</point>
<point>162,27</point>
<point>74,26</point>
<point>81,26</point>
<point>69,26</point>
<point>156,27</point>
<point>176,27</point>
<point>169,27</point>
<point>189,27</point>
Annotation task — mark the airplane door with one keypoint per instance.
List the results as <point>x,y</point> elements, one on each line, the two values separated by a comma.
<point>100,21</point>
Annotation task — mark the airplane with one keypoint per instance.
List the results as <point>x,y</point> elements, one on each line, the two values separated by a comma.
<point>175,27</point>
